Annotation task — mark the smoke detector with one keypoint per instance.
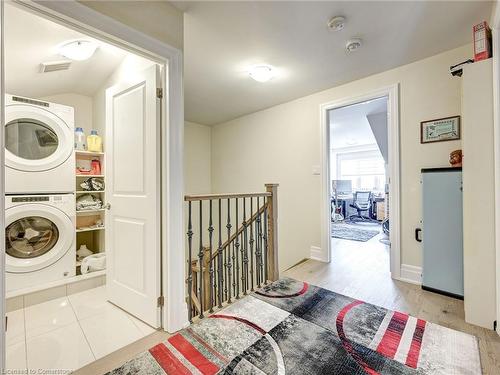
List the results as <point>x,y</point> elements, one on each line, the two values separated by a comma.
<point>353,44</point>
<point>54,66</point>
<point>336,23</point>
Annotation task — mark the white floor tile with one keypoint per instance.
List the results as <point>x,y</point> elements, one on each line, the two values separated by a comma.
<point>89,303</point>
<point>16,356</point>
<point>47,316</point>
<point>110,331</point>
<point>15,328</point>
<point>143,327</point>
<point>65,348</point>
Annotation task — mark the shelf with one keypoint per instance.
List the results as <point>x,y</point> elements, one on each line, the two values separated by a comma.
<point>88,229</point>
<point>89,175</point>
<point>89,153</point>
<point>89,191</point>
<point>90,211</point>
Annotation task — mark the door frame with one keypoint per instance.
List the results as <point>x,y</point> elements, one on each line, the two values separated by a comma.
<point>392,93</point>
<point>90,22</point>
<point>495,29</point>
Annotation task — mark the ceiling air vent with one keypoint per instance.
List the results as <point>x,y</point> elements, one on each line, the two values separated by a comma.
<point>54,66</point>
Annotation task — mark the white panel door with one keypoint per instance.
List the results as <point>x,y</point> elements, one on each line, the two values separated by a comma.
<point>132,191</point>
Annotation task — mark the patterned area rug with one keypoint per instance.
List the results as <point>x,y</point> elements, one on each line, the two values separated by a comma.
<point>290,327</point>
<point>350,232</point>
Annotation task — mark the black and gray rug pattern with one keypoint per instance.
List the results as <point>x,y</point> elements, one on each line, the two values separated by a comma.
<point>291,327</point>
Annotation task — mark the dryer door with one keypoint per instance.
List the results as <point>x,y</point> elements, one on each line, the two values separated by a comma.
<point>35,139</point>
<point>36,236</point>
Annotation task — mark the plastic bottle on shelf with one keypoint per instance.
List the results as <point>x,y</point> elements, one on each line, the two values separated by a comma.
<point>94,141</point>
<point>80,140</point>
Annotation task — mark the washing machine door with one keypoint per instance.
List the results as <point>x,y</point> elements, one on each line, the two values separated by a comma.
<point>36,236</point>
<point>35,139</point>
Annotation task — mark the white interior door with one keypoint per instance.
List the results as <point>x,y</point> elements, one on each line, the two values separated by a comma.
<point>132,191</point>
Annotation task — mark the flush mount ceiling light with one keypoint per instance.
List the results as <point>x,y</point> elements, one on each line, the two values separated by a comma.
<point>336,23</point>
<point>78,50</point>
<point>262,73</point>
<point>353,44</point>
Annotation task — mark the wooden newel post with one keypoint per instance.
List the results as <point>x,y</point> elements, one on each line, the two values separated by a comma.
<point>272,238</point>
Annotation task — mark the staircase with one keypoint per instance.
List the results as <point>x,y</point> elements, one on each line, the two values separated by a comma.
<point>232,247</point>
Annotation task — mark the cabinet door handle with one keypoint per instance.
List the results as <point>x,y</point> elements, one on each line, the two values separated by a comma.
<point>417,236</point>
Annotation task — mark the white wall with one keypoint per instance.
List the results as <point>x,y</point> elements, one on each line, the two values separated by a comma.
<point>282,144</point>
<point>83,108</point>
<point>197,156</point>
<point>479,195</point>
<point>378,124</point>
<point>158,19</point>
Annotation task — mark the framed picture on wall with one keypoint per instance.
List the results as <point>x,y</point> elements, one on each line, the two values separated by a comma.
<point>440,130</point>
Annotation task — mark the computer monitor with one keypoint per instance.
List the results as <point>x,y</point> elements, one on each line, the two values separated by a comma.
<point>342,187</point>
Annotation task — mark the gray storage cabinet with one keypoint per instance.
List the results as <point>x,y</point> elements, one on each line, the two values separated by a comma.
<point>442,237</point>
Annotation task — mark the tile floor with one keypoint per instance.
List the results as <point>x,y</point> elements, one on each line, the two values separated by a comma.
<point>70,332</point>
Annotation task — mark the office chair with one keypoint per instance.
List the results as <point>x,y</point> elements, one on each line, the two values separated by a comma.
<point>362,202</point>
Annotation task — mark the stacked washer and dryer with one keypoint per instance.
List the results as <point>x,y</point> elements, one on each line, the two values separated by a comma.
<point>40,241</point>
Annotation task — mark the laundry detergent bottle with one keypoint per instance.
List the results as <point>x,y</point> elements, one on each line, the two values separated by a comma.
<point>80,140</point>
<point>94,142</point>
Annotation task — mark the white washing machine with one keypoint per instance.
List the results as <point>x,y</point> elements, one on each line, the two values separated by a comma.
<point>40,239</point>
<point>39,142</point>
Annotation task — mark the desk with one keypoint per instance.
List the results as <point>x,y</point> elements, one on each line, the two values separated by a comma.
<point>345,199</point>
<point>374,214</point>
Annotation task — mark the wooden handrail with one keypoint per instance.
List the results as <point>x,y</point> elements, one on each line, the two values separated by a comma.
<point>207,197</point>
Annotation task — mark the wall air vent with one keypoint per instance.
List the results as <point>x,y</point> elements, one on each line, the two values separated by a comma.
<point>54,66</point>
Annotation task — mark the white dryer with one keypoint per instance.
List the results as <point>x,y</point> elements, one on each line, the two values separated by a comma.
<point>39,239</point>
<point>39,141</point>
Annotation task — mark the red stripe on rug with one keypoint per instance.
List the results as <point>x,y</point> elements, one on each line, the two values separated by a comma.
<point>207,346</point>
<point>345,341</point>
<point>416,344</point>
<point>192,354</point>
<point>388,346</point>
<point>241,320</point>
<point>168,361</point>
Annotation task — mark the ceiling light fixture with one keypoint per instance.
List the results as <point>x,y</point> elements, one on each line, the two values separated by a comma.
<point>353,44</point>
<point>262,73</point>
<point>78,50</point>
<point>336,23</point>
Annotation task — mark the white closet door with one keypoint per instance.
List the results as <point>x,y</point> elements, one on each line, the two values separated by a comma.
<point>132,191</point>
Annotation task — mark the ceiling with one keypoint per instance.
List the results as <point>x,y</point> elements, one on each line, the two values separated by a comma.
<point>221,39</point>
<point>27,47</point>
<point>349,126</point>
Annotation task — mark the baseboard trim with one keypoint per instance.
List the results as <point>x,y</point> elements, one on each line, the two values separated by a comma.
<point>411,274</point>
<point>317,254</point>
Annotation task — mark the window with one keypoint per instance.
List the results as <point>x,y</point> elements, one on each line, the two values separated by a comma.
<point>366,170</point>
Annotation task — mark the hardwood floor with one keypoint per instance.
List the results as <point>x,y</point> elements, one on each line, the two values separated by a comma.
<point>361,270</point>
<point>358,270</point>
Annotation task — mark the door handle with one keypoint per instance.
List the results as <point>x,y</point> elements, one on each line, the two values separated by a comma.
<point>417,232</point>
<point>107,206</point>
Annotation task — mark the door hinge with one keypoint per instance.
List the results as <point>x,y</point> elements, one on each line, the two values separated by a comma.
<point>161,301</point>
<point>159,93</point>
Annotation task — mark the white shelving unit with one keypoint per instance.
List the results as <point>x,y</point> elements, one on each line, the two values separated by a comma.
<point>86,232</point>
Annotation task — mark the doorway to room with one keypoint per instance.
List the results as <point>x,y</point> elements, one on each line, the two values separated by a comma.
<point>361,182</point>
<point>359,193</point>
<point>83,204</point>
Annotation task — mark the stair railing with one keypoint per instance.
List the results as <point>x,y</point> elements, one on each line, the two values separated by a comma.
<point>232,247</point>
